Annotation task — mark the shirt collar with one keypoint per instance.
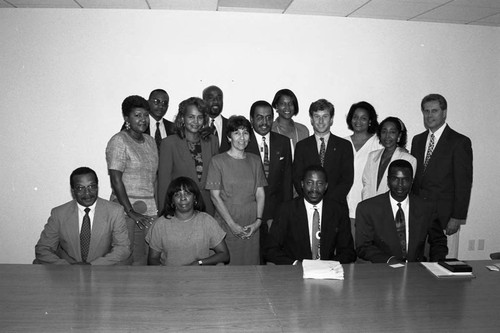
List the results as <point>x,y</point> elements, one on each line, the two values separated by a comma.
<point>394,202</point>
<point>82,208</point>
<point>259,137</point>
<point>310,206</point>
<point>326,137</point>
<point>439,131</point>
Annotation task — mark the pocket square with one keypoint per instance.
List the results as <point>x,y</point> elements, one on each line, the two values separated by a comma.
<point>281,158</point>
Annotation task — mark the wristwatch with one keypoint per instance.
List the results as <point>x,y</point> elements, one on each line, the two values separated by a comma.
<point>200,262</point>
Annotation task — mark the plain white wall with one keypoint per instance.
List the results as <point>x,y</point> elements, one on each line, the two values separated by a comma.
<point>64,74</point>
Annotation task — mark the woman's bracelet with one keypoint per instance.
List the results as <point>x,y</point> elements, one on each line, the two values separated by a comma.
<point>259,218</point>
<point>128,211</point>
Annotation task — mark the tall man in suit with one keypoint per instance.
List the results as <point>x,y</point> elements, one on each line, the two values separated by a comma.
<point>213,96</point>
<point>87,230</point>
<point>394,226</point>
<point>328,150</point>
<point>308,227</point>
<point>159,127</point>
<point>275,152</point>
<point>444,168</point>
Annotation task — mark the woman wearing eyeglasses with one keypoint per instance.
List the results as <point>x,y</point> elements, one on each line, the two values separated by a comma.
<point>132,159</point>
<point>286,105</point>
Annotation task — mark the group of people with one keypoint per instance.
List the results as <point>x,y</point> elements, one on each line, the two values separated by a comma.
<point>205,190</point>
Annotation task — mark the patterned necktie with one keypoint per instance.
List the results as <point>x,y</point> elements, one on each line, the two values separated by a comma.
<point>213,128</point>
<point>322,151</point>
<point>158,135</point>
<point>266,156</point>
<point>85,235</point>
<point>401,229</point>
<point>429,151</point>
<point>316,235</point>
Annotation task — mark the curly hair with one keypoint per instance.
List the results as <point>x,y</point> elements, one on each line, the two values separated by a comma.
<point>133,102</point>
<point>199,104</point>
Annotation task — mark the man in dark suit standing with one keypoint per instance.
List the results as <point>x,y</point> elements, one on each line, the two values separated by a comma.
<point>214,98</point>
<point>393,227</point>
<point>308,227</point>
<point>159,127</point>
<point>330,151</point>
<point>275,152</point>
<point>444,168</point>
<point>87,230</point>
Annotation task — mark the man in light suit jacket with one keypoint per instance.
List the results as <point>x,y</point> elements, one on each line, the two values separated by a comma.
<point>444,175</point>
<point>292,236</point>
<point>277,166</point>
<point>338,156</point>
<point>159,127</point>
<point>213,96</point>
<point>60,241</point>
<point>378,238</point>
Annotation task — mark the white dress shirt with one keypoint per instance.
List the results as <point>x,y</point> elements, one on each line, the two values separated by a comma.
<point>310,213</point>
<point>260,143</point>
<point>152,127</point>
<point>318,141</point>
<point>437,135</point>
<point>405,206</point>
<point>81,214</point>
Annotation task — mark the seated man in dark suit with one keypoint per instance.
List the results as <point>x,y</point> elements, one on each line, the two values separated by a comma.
<point>393,227</point>
<point>87,230</point>
<point>308,227</point>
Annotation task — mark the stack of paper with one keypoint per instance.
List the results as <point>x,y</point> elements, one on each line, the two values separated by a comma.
<point>322,269</point>
<point>442,272</point>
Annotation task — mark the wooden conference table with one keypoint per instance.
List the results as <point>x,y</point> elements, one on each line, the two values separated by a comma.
<point>372,298</point>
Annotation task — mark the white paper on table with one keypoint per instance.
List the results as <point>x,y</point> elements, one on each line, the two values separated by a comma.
<point>322,269</point>
<point>441,272</point>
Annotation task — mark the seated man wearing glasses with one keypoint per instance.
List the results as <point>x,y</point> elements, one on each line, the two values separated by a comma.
<point>85,231</point>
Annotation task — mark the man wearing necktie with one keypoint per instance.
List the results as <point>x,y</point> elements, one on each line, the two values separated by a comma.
<point>394,227</point>
<point>308,227</point>
<point>85,231</point>
<point>444,168</point>
<point>275,152</point>
<point>214,98</point>
<point>330,151</point>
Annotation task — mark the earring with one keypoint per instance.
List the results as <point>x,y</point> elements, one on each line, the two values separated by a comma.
<point>127,125</point>
<point>195,202</point>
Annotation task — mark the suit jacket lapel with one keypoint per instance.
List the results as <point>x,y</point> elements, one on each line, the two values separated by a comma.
<point>330,150</point>
<point>274,154</point>
<point>303,227</point>
<point>391,224</point>
<point>98,225</point>
<point>73,229</point>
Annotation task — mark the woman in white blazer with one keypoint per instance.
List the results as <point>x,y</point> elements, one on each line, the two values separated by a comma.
<point>392,135</point>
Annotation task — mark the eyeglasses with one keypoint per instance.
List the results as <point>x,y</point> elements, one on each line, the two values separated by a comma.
<point>159,102</point>
<point>82,189</point>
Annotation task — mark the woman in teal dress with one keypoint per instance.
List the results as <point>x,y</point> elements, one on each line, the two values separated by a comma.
<point>236,182</point>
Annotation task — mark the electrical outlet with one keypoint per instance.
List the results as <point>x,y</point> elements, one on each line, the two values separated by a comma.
<point>472,244</point>
<point>480,244</point>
